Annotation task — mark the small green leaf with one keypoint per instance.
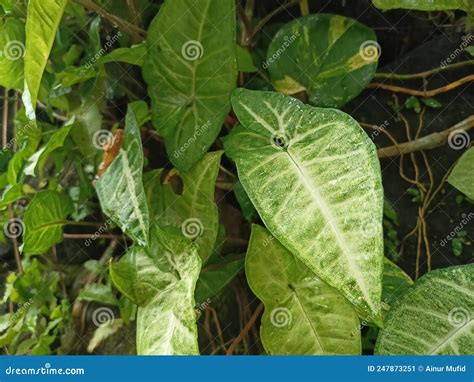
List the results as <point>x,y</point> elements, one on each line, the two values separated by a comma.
<point>456,245</point>
<point>120,188</point>
<point>134,55</point>
<point>44,219</point>
<point>245,61</point>
<point>434,317</point>
<point>432,102</point>
<point>395,282</point>
<point>303,315</point>
<point>331,57</point>
<point>99,293</point>
<point>462,175</point>
<point>162,279</point>
<point>413,103</point>
<point>191,70</point>
<point>42,21</point>
<point>248,210</point>
<point>103,332</point>
<point>470,50</point>
<point>193,212</point>
<point>314,177</point>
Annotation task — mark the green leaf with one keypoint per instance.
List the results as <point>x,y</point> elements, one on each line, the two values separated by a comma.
<point>37,159</point>
<point>432,102</point>
<point>215,277</point>
<point>303,315</point>
<point>425,5</point>
<point>434,317</point>
<point>413,103</point>
<point>99,293</point>
<point>42,21</point>
<point>470,50</point>
<point>134,55</point>
<point>462,175</point>
<point>244,60</point>
<point>44,219</point>
<point>12,49</point>
<point>103,332</point>
<point>163,279</point>
<point>194,212</point>
<point>191,70</point>
<point>314,177</point>
<point>248,210</point>
<point>395,282</point>
<point>120,188</point>
<point>331,57</point>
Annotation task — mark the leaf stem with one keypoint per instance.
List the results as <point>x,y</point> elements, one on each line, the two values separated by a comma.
<point>304,7</point>
<point>246,329</point>
<point>425,73</point>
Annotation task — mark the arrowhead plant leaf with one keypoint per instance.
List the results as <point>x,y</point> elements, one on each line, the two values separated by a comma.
<point>331,57</point>
<point>314,177</point>
<point>191,69</point>
<point>120,188</point>
<point>162,279</point>
<point>434,317</point>
<point>303,315</point>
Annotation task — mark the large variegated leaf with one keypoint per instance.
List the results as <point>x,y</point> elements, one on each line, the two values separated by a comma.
<point>435,316</point>
<point>42,21</point>
<point>395,283</point>
<point>193,212</point>
<point>314,177</point>
<point>120,188</point>
<point>425,5</point>
<point>331,57</point>
<point>303,315</point>
<point>43,221</point>
<point>162,280</point>
<point>191,70</point>
<point>462,175</point>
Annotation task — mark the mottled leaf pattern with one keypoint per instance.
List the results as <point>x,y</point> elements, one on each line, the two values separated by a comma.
<point>331,57</point>
<point>303,315</point>
<point>320,195</point>
<point>435,316</point>
<point>166,275</point>
<point>194,212</point>
<point>42,21</point>
<point>395,282</point>
<point>120,189</point>
<point>425,5</point>
<point>462,175</point>
<point>191,69</point>
<point>43,221</point>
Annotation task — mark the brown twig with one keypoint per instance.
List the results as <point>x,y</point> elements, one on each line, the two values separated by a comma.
<point>246,329</point>
<point>427,142</point>
<point>422,93</point>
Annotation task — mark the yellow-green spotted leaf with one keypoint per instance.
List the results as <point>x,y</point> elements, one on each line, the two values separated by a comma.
<point>425,5</point>
<point>331,57</point>
<point>303,315</point>
<point>162,279</point>
<point>191,69</point>
<point>42,21</point>
<point>434,317</point>
<point>462,176</point>
<point>314,177</point>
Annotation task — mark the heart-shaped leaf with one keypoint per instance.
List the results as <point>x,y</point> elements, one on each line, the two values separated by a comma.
<point>435,316</point>
<point>331,57</point>
<point>120,188</point>
<point>162,279</point>
<point>191,69</point>
<point>303,315</point>
<point>314,177</point>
